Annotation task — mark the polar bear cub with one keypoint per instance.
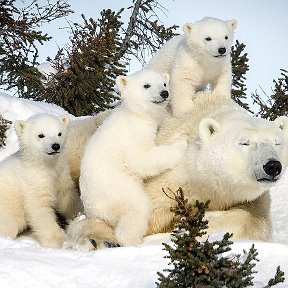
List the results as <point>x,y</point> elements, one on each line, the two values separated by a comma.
<point>199,57</point>
<point>36,179</point>
<point>123,151</point>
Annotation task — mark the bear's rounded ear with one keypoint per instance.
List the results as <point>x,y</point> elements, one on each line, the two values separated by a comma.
<point>232,23</point>
<point>64,119</point>
<point>121,82</point>
<point>167,78</point>
<point>282,123</point>
<point>187,28</point>
<point>208,127</point>
<point>19,126</point>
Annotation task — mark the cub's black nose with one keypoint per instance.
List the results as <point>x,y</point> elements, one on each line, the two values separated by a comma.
<point>272,168</point>
<point>164,94</point>
<point>222,50</point>
<point>55,146</point>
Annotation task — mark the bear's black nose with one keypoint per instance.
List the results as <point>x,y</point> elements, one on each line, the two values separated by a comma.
<point>222,50</point>
<point>164,94</point>
<point>55,146</point>
<point>272,168</point>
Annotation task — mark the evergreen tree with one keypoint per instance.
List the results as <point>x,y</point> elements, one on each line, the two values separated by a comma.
<point>19,36</point>
<point>98,52</point>
<point>239,61</point>
<point>277,103</point>
<point>4,125</point>
<point>85,86</point>
<point>201,264</point>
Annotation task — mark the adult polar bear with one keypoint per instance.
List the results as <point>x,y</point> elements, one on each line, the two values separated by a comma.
<point>199,57</point>
<point>232,159</point>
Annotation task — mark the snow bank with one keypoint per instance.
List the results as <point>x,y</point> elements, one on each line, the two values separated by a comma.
<point>24,264</point>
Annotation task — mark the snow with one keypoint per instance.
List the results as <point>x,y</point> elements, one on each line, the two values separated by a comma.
<point>23,263</point>
<point>46,69</point>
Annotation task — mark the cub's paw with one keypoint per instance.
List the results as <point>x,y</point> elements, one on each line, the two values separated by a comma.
<point>181,144</point>
<point>178,149</point>
<point>82,244</point>
<point>85,244</point>
<point>109,244</point>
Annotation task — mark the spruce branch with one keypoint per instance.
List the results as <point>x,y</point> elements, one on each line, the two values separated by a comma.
<point>4,125</point>
<point>197,262</point>
<point>278,278</point>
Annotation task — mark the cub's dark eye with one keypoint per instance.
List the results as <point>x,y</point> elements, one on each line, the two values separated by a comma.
<point>246,143</point>
<point>277,143</point>
<point>226,37</point>
<point>60,134</point>
<point>41,136</point>
<point>208,39</point>
<point>146,86</point>
<point>165,85</point>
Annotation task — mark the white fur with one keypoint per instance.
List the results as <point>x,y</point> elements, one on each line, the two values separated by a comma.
<point>225,163</point>
<point>36,179</point>
<point>122,152</point>
<point>193,62</point>
<point>216,166</point>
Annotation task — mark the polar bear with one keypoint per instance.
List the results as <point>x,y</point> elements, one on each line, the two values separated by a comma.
<point>35,180</point>
<point>232,159</point>
<point>199,57</point>
<point>122,152</point>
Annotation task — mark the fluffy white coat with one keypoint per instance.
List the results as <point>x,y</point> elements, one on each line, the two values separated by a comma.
<point>199,57</point>
<point>36,180</point>
<point>122,152</point>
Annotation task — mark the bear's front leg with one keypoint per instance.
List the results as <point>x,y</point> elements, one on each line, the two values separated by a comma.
<point>42,219</point>
<point>250,220</point>
<point>183,86</point>
<point>222,86</point>
<point>159,158</point>
<point>68,198</point>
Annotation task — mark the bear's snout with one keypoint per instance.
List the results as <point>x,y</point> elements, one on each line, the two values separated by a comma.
<point>164,94</point>
<point>55,146</point>
<point>272,168</point>
<point>222,50</point>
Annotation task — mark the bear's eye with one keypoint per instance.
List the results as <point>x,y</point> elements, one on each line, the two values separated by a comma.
<point>60,134</point>
<point>165,85</point>
<point>146,86</point>
<point>41,136</point>
<point>277,143</point>
<point>226,37</point>
<point>208,39</point>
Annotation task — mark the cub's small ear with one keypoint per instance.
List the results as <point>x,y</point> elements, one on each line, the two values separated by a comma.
<point>64,119</point>
<point>19,126</point>
<point>208,127</point>
<point>121,82</point>
<point>167,78</point>
<point>232,23</point>
<point>187,28</point>
<point>282,123</point>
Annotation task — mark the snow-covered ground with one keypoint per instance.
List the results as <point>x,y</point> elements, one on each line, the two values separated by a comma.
<point>24,264</point>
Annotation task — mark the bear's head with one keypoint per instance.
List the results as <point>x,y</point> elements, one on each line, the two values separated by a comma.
<point>211,36</point>
<point>42,135</point>
<point>245,156</point>
<point>144,91</point>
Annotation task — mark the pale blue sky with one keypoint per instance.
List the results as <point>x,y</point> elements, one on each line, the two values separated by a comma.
<point>262,26</point>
